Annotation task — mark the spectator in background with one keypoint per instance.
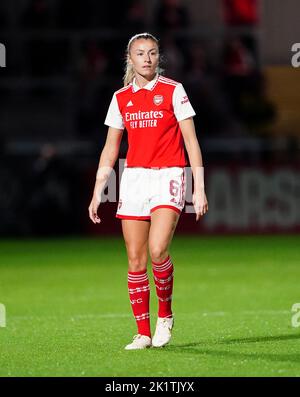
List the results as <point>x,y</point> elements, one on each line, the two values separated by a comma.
<point>171,15</point>
<point>37,15</point>
<point>243,13</point>
<point>93,62</point>
<point>237,59</point>
<point>135,16</point>
<point>214,116</point>
<point>198,62</point>
<point>92,69</point>
<point>238,70</point>
<point>240,12</point>
<point>243,80</point>
<point>170,52</point>
<point>53,188</point>
<point>244,84</point>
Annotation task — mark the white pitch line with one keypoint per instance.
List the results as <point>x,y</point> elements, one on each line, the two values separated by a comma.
<point>127,315</point>
<point>75,316</point>
<point>243,312</point>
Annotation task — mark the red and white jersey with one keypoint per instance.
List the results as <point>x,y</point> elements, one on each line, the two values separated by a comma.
<point>150,116</point>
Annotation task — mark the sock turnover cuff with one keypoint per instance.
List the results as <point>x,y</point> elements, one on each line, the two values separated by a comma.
<point>168,258</point>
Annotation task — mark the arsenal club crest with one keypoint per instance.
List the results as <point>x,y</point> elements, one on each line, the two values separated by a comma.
<point>158,99</point>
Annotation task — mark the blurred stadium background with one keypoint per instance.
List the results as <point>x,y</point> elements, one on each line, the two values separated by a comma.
<point>66,315</point>
<point>65,58</point>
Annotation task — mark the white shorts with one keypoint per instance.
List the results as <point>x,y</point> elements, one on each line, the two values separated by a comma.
<point>143,190</point>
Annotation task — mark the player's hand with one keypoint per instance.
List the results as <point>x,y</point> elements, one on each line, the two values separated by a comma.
<point>93,208</point>
<point>200,204</point>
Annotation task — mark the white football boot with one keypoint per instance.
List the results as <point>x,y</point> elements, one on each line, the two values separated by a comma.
<point>139,342</point>
<point>163,331</point>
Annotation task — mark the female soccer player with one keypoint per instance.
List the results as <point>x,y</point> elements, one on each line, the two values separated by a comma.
<point>158,117</point>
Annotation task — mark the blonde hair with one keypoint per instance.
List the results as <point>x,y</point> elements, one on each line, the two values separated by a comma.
<point>129,70</point>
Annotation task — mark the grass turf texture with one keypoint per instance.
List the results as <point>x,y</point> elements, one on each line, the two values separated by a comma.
<point>68,312</point>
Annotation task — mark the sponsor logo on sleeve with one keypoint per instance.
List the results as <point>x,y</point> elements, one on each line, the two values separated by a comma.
<point>185,99</point>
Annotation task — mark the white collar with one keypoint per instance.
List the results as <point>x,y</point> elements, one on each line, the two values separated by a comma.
<point>148,86</point>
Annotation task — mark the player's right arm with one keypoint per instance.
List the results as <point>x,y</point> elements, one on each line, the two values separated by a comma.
<point>108,158</point>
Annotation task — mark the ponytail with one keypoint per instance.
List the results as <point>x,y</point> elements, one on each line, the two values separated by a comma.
<point>129,71</point>
<point>129,74</point>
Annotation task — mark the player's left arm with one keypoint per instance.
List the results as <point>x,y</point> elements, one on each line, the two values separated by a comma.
<point>187,127</point>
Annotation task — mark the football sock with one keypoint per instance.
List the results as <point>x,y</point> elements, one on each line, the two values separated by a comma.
<point>163,278</point>
<point>139,295</point>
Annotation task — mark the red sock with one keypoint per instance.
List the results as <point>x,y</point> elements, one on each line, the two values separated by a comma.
<point>139,295</point>
<point>163,278</point>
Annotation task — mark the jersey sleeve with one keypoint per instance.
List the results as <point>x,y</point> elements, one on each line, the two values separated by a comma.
<point>181,104</point>
<point>114,118</point>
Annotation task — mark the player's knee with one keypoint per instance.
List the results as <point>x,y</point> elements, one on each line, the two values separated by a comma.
<point>137,261</point>
<point>158,254</point>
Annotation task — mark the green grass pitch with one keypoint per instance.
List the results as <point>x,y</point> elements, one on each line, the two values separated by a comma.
<point>68,312</point>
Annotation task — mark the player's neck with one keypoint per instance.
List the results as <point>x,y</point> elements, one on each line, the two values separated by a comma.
<point>142,81</point>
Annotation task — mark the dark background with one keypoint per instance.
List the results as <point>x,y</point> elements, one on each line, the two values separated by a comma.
<point>64,59</point>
